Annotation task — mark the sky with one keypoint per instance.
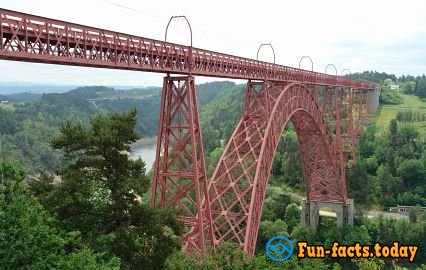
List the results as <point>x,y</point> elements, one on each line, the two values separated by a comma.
<point>386,36</point>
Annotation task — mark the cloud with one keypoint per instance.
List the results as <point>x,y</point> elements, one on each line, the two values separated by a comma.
<point>359,35</point>
<point>394,55</point>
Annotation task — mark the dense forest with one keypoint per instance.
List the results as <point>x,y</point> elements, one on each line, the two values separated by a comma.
<point>411,85</point>
<point>27,126</point>
<point>93,217</point>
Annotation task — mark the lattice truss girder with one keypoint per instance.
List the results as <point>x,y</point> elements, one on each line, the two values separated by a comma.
<point>345,97</point>
<point>350,103</point>
<point>364,105</point>
<point>25,37</point>
<point>232,184</point>
<point>239,182</point>
<point>180,176</point>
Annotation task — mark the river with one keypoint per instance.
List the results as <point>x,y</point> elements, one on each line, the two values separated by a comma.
<point>147,154</point>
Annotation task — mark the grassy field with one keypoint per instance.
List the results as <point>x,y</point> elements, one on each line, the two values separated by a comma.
<point>386,113</point>
<point>7,106</point>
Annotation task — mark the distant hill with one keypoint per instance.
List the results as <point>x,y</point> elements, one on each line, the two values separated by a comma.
<point>6,89</point>
<point>22,97</point>
<point>31,120</point>
<point>29,93</point>
<point>148,105</point>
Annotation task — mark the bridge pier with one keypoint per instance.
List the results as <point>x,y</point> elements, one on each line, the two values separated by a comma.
<point>310,212</point>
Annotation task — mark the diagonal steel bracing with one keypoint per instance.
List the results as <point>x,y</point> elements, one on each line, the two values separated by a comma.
<point>328,113</point>
<point>180,175</point>
<point>238,185</point>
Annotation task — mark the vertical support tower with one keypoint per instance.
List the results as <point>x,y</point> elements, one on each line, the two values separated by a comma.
<point>180,175</point>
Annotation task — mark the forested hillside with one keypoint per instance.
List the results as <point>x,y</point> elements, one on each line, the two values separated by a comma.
<point>391,170</point>
<point>95,218</point>
<point>27,127</point>
<point>410,84</point>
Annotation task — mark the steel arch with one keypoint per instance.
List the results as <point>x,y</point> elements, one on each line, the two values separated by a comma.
<point>180,177</point>
<point>237,188</point>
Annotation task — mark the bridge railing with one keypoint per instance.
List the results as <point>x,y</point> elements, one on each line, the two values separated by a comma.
<point>32,38</point>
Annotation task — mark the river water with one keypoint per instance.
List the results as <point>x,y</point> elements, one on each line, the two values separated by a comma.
<point>146,153</point>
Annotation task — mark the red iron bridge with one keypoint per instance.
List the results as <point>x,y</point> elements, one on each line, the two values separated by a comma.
<point>328,113</point>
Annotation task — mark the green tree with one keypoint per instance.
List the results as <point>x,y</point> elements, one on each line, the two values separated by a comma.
<point>412,172</point>
<point>421,88</point>
<point>303,233</point>
<point>357,234</point>
<point>100,153</point>
<point>408,135</point>
<point>100,189</point>
<point>387,82</point>
<point>29,237</point>
<point>369,264</point>
<point>292,215</point>
<point>408,87</point>
<point>393,130</point>
<point>8,122</point>
<point>390,185</point>
<point>291,160</point>
<point>269,229</point>
<point>357,180</point>
<point>414,213</point>
<point>212,159</point>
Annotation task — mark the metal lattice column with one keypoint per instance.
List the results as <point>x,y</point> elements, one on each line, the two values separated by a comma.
<point>180,175</point>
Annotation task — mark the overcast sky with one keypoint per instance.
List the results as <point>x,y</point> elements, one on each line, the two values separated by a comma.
<point>360,35</point>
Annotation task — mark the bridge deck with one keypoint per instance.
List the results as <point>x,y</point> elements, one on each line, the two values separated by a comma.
<point>37,39</point>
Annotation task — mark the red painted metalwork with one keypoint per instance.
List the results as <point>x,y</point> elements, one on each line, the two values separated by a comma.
<point>32,38</point>
<point>346,96</point>
<point>180,174</point>
<point>360,108</point>
<point>238,185</point>
<point>268,45</point>
<point>328,113</point>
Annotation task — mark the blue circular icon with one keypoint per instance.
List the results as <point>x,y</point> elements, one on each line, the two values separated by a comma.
<point>279,248</point>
